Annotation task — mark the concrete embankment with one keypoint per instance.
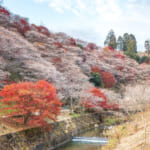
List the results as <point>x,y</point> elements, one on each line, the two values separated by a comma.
<point>36,139</point>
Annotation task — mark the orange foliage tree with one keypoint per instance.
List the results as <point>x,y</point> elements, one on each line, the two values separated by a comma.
<point>108,79</point>
<point>95,69</point>
<point>34,102</point>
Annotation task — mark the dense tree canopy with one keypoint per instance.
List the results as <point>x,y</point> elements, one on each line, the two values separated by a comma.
<point>111,40</point>
<point>127,42</point>
<point>35,102</point>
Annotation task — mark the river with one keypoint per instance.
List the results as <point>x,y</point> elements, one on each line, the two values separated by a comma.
<point>85,145</point>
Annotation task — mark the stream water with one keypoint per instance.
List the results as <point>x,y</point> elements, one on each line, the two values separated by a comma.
<point>86,144</point>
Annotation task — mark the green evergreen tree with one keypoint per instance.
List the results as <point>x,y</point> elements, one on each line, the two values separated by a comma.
<point>133,43</point>
<point>125,41</point>
<point>111,40</point>
<point>120,43</point>
<point>129,43</point>
<point>147,46</point>
<point>96,79</point>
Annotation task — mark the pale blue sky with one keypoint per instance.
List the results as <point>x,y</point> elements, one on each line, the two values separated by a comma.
<point>89,20</point>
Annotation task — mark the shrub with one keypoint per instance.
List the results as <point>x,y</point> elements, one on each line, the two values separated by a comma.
<point>40,29</point>
<point>35,102</point>
<point>140,60</point>
<point>22,26</point>
<point>34,27</point>
<point>72,41</point>
<point>95,69</point>
<point>108,79</point>
<point>120,56</point>
<point>120,68</point>
<point>145,59</point>
<point>15,77</point>
<point>96,100</point>
<point>133,56</point>
<point>79,45</point>
<point>91,46</point>
<point>43,30</point>
<point>96,79</point>
<point>108,48</point>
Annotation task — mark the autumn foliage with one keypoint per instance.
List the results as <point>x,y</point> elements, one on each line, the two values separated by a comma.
<point>120,56</point>
<point>108,79</point>
<point>40,29</point>
<point>109,48</point>
<point>43,30</point>
<point>35,102</point>
<point>4,11</point>
<point>96,100</point>
<point>91,46</point>
<point>120,68</point>
<point>22,26</point>
<point>72,41</point>
<point>95,69</point>
<point>58,44</point>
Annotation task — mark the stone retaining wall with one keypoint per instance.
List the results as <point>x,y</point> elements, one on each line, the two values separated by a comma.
<point>36,139</point>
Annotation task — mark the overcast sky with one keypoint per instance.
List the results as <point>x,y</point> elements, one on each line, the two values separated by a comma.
<point>89,20</point>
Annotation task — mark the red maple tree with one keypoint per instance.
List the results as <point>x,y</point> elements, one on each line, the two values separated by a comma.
<point>4,11</point>
<point>108,79</point>
<point>91,46</point>
<point>120,56</point>
<point>22,26</point>
<point>35,102</point>
<point>43,30</point>
<point>97,101</point>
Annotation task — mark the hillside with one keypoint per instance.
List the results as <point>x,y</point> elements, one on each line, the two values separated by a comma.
<point>61,60</point>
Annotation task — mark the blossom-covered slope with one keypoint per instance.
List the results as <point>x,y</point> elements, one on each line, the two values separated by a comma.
<point>60,59</point>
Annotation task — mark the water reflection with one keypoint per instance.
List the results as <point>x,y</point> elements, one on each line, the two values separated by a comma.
<point>80,146</point>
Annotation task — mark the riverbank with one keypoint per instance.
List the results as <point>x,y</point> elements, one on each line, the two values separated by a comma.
<point>35,138</point>
<point>132,135</point>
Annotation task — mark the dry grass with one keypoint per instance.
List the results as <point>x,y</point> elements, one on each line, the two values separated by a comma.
<point>134,135</point>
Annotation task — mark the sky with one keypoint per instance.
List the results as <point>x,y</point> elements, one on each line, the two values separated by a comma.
<point>88,20</point>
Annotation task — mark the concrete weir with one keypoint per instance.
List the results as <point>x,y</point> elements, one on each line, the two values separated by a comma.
<point>35,139</point>
<point>97,140</point>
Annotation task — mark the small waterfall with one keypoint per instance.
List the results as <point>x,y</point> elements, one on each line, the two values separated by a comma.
<point>97,140</point>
